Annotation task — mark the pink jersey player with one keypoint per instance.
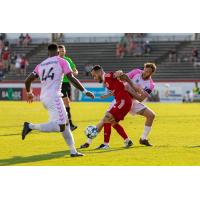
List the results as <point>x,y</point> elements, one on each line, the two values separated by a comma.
<point>51,72</point>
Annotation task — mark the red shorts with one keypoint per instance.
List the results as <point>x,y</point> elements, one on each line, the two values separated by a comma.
<point>121,108</point>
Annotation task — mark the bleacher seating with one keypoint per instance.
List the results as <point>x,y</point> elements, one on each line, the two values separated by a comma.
<point>105,55</point>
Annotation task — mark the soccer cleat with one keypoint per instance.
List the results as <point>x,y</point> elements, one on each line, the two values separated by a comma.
<point>73,127</point>
<point>128,143</point>
<point>145,142</point>
<point>103,146</point>
<point>86,145</point>
<point>25,130</point>
<point>77,154</point>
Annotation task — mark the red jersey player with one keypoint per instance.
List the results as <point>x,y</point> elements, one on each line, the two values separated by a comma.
<point>122,105</point>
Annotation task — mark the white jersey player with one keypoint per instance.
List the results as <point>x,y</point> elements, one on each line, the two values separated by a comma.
<point>50,72</point>
<point>142,79</point>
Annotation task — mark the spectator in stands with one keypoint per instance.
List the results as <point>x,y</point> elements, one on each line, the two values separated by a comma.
<point>5,58</point>
<point>195,54</point>
<point>120,50</point>
<point>1,47</point>
<point>147,47</point>
<point>27,40</point>
<point>21,39</point>
<point>197,63</point>
<point>172,55</point>
<point>24,65</point>
<point>2,36</point>
<point>88,68</point>
<point>138,50</point>
<point>1,70</point>
<point>18,65</point>
<point>13,58</point>
<point>6,43</point>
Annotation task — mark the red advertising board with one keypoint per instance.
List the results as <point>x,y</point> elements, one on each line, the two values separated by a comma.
<point>36,92</point>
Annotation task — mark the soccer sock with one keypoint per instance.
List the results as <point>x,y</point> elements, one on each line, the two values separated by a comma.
<point>107,133</point>
<point>121,131</point>
<point>48,127</point>
<point>69,139</point>
<point>89,141</point>
<point>146,132</point>
<point>69,115</point>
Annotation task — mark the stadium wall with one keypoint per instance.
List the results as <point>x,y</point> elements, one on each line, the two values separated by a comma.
<point>168,91</point>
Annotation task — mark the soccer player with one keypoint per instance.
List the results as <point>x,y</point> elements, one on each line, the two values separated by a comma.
<point>50,72</point>
<point>66,87</point>
<point>123,102</point>
<point>143,79</point>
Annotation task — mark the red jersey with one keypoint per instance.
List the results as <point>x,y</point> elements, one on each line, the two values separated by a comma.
<point>115,86</point>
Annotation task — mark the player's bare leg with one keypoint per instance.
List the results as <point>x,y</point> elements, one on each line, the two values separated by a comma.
<point>109,118</point>
<point>150,116</point>
<point>53,127</point>
<point>107,133</point>
<point>66,101</point>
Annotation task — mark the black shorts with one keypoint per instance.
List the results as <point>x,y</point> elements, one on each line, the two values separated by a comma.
<point>66,90</point>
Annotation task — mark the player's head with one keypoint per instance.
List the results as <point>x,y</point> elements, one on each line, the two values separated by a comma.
<point>61,50</point>
<point>149,69</point>
<point>97,73</point>
<point>53,49</point>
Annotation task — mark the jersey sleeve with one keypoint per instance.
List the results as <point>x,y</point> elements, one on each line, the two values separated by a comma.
<point>64,65</point>
<point>36,71</point>
<point>71,63</point>
<point>134,72</point>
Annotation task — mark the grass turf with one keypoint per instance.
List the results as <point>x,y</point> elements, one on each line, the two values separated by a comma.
<point>175,136</point>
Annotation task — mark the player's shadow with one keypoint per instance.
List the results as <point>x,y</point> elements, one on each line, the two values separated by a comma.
<point>35,158</point>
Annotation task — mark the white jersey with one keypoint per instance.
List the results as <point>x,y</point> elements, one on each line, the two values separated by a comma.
<point>51,72</point>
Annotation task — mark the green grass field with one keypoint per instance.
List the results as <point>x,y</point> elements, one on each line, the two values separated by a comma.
<point>175,136</point>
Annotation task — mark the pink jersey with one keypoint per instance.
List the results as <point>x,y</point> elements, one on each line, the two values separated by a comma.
<point>136,77</point>
<point>51,72</point>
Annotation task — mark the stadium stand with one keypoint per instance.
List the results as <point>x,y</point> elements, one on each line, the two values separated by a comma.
<point>105,55</point>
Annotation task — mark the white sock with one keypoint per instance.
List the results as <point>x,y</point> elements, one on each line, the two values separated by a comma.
<point>107,144</point>
<point>69,139</point>
<point>127,140</point>
<point>48,127</point>
<point>89,141</point>
<point>146,132</point>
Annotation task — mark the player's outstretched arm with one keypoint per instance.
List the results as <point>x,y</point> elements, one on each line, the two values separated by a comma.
<point>104,96</point>
<point>77,84</point>
<point>28,82</point>
<point>124,77</point>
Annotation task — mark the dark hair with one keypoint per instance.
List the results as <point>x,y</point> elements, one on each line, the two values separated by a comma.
<point>53,47</point>
<point>61,47</point>
<point>96,68</point>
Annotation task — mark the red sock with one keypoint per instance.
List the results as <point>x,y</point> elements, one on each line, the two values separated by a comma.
<point>107,132</point>
<point>121,131</point>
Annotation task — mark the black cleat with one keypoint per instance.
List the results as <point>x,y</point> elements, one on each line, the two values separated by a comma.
<point>25,130</point>
<point>103,146</point>
<point>77,154</point>
<point>145,142</point>
<point>86,145</point>
<point>73,127</point>
<point>128,144</point>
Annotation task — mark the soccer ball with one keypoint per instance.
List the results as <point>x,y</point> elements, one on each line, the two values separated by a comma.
<point>91,131</point>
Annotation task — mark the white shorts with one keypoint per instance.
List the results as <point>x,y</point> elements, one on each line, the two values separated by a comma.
<point>135,108</point>
<point>56,109</point>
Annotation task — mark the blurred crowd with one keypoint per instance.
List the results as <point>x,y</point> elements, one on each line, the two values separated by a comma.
<point>193,57</point>
<point>9,60</point>
<point>133,44</point>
